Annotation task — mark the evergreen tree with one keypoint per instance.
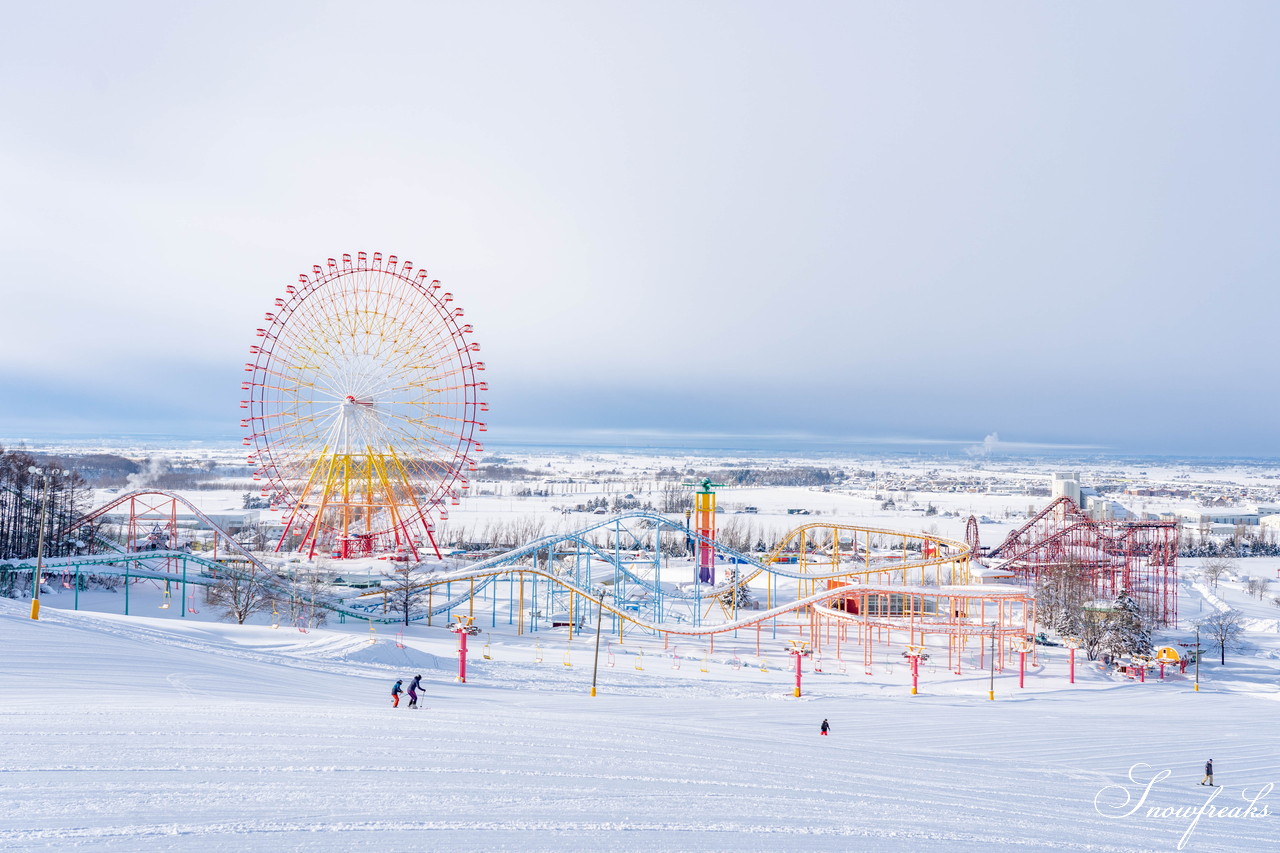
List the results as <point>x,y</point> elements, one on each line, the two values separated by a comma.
<point>739,596</point>
<point>1127,632</point>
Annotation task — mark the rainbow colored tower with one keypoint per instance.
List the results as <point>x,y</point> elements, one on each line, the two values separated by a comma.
<point>704,508</point>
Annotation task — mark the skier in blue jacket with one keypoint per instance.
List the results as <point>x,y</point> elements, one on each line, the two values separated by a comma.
<point>395,693</point>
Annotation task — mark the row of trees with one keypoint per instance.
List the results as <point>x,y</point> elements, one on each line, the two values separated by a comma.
<point>20,505</point>
<point>1065,603</point>
<point>240,595</point>
<point>1242,543</point>
<point>1214,570</point>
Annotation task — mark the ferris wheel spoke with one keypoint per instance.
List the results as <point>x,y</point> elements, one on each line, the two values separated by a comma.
<point>295,423</point>
<point>427,421</point>
<point>433,443</point>
<point>292,374</point>
<point>443,372</point>
<point>439,352</point>
<point>393,380</point>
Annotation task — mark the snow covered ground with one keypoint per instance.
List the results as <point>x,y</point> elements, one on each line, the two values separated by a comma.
<point>169,730</point>
<point>161,732</point>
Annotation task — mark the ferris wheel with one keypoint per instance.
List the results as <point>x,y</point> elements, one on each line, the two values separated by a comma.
<point>362,407</point>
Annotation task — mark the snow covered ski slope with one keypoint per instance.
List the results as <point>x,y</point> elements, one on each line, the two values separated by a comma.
<point>143,734</point>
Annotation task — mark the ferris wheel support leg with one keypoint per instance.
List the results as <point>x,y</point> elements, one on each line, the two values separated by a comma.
<point>432,536</point>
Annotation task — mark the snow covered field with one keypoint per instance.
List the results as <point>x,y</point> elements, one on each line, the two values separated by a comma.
<point>184,734</point>
<point>173,731</point>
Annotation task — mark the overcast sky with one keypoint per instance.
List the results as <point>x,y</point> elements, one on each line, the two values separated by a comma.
<point>1054,221</point>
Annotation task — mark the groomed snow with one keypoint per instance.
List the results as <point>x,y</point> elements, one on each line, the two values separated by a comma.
<point>164,733</point>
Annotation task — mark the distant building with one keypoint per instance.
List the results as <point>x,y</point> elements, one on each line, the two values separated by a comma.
<point>1101,509</point>
<point>1232,517</point>
<point>1066,485</point>
<point>1270,522</point>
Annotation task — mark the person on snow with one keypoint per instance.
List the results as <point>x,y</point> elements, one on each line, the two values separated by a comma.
<point>1208,773</point>
<point>395,693</point>
<point>414,686</point>
<point>826,727</point>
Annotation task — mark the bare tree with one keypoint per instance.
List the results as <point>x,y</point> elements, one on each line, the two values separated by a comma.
<point>239,595</point>
<point>674,498</point>
<point>1094,631</point>
<point>309,590</point>
<point>404,590</point>
<point>1214,569</point>
<point>1223,628</point>
<point>1257,587</point>
<point>1061,594</point>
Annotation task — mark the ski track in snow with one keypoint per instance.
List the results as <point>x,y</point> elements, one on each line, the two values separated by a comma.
<point>140,735</point>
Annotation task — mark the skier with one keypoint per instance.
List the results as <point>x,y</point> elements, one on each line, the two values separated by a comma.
<point>1208,773</point>
<point>395,693</point>
<point>826,727</point>
<point>413,691</point>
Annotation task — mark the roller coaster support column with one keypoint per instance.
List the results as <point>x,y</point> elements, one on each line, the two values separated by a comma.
<point>463,628</point>
<point>800,649</point>
<point>704,503</point>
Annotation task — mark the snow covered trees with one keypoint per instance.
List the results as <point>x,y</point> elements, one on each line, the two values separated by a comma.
<point>739,597</point>
<point>1113,628</point>
<point>1127,632</point>
<point>20,500</point>
<point>1061,595</point>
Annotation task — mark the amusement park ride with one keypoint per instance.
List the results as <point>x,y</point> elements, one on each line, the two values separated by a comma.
<point>361,409</point>
<point>704,507</point>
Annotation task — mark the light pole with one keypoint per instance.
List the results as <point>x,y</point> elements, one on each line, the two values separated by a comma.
<point>991,684</point>
<point>44,474</point>
<point>1197,659</point>
<point>595,666</point>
